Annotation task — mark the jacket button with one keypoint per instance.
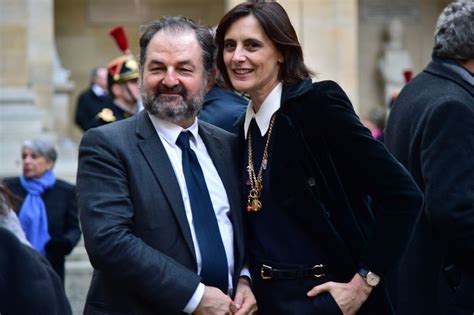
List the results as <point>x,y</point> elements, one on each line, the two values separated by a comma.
<point>311,182</point>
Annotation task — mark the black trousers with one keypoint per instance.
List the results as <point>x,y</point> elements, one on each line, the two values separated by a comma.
<point>287,297</point>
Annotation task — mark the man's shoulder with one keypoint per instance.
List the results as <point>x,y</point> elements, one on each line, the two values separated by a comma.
<point>217,131</point>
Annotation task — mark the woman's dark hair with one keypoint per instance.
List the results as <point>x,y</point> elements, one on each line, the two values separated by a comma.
<point>7,199</point>
<point>277,26</point>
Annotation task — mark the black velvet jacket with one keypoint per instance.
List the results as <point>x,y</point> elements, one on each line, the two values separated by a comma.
<point>325,165</point>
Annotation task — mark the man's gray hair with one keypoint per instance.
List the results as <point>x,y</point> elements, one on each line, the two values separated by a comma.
<point>454,34</point>
<point>41,147</point>
<point>180,24</point>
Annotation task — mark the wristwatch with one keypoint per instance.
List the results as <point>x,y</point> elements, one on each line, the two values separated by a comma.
<point>370,278</point>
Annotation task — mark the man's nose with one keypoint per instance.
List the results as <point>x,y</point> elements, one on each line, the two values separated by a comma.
<point>170,79</point>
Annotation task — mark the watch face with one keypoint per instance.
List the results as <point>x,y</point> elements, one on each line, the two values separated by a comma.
<point>372,279</point>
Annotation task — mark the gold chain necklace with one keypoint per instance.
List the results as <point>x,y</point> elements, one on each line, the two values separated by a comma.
<point>256,180</point>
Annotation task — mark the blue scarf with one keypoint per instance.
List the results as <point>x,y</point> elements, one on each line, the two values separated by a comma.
<point>33,212</point>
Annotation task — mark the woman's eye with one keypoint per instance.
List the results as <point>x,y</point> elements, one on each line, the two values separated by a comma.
<point>229,46</point>
<point>253,45</point>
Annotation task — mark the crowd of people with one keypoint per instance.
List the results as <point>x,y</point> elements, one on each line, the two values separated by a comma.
<point>216,176</point>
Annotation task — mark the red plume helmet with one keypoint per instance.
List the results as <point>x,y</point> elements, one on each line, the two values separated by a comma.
<point>125,67</point>
<point>120,37</point>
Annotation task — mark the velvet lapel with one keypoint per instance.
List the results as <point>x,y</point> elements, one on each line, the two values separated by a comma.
<point>221,157</point>
<point>157,158</point>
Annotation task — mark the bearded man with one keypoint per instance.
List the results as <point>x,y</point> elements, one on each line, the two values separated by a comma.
<point>158,193</point>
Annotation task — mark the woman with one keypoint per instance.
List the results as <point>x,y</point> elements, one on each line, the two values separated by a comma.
<point>309,168</point>
<point>8,218</point>
<point>28,283</point>
<point>48,213</point>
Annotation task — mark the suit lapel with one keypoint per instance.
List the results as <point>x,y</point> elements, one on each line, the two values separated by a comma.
<point>158,160</point>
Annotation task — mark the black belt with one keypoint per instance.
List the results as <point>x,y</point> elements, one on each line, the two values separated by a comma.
<point>268,272</point>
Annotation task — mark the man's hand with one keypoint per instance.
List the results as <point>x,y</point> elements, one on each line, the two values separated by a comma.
<point>214,302</point>
<point>244,299</point>
<point>349,296</point>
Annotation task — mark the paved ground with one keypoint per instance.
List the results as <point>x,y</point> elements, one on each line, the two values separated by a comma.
<point>77,278</point>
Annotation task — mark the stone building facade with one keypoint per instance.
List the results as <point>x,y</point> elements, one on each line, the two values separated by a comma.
<point>48,47</point>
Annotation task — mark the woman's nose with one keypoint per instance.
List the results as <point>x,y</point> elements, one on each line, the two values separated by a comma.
<point>239,55</point>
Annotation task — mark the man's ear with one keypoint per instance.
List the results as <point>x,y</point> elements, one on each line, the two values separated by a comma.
<point>211,79</point>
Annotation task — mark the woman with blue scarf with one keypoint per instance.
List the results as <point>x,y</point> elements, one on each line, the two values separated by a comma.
<point>48,213</point>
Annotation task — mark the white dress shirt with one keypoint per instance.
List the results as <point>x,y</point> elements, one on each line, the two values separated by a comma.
<point>269,106</point>
<point>99,91</point>
<point>168,133</point>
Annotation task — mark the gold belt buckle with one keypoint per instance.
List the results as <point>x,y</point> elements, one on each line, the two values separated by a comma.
<point>319,275</point>
<point>262,272</point>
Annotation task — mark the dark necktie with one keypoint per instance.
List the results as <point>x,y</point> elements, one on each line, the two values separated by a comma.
<point>214,268</point>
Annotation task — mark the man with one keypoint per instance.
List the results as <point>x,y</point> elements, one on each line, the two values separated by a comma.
<point>91,101</point>
<point>431,131</point>
<point>141,210</point>
<point>223,107</point>
<point>122,79</point>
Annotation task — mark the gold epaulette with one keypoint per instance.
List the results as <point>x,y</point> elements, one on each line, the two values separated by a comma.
<point>107,115</point>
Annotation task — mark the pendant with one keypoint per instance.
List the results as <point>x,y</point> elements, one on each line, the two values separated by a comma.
<point>254,193</point>
<point>256,205</point>
<point>264,164</point>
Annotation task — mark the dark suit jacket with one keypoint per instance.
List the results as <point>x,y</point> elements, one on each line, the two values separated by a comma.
<point>431,131</point>
<point>325,164</point>
<point>223,108</point>
<point>28,285</point>
<point>88,106</point>
<point>133,218</point>
<point>63,221</point>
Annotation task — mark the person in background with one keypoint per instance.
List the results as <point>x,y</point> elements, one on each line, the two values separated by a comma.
<point>223,107</point>
<point>48,212</point>
<point>375,122</point>
<point>309,166</point>
<point>431,131</point>
<point>28,284</point>
<point>93,100</point>
<point>8,218</point>
<point>122,78</point>
<point>158,193</point>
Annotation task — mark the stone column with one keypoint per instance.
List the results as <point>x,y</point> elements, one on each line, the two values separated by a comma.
<point>40,55</point>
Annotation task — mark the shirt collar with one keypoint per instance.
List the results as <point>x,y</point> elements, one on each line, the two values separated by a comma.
<point>170,131</point>
<point>269,106</point>
<point>99,91</point>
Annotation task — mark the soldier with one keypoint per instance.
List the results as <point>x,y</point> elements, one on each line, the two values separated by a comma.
<point>122,81</point>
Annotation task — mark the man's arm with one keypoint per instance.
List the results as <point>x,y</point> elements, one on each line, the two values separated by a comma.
<point>447,167</point>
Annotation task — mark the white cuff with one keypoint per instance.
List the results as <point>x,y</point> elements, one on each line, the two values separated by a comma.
<point>245,272</point>
<point>195,299</point>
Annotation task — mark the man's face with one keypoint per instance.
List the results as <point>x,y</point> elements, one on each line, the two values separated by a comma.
<point>173,81</point>
<point>101,79</point>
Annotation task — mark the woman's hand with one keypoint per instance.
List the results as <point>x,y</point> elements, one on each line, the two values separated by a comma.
<point>348,296</point>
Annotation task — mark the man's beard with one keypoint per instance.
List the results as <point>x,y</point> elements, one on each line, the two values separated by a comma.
<point>172,108</point>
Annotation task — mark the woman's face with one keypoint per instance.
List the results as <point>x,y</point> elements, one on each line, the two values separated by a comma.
<point>251,58</point>
<point>34,165</point>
